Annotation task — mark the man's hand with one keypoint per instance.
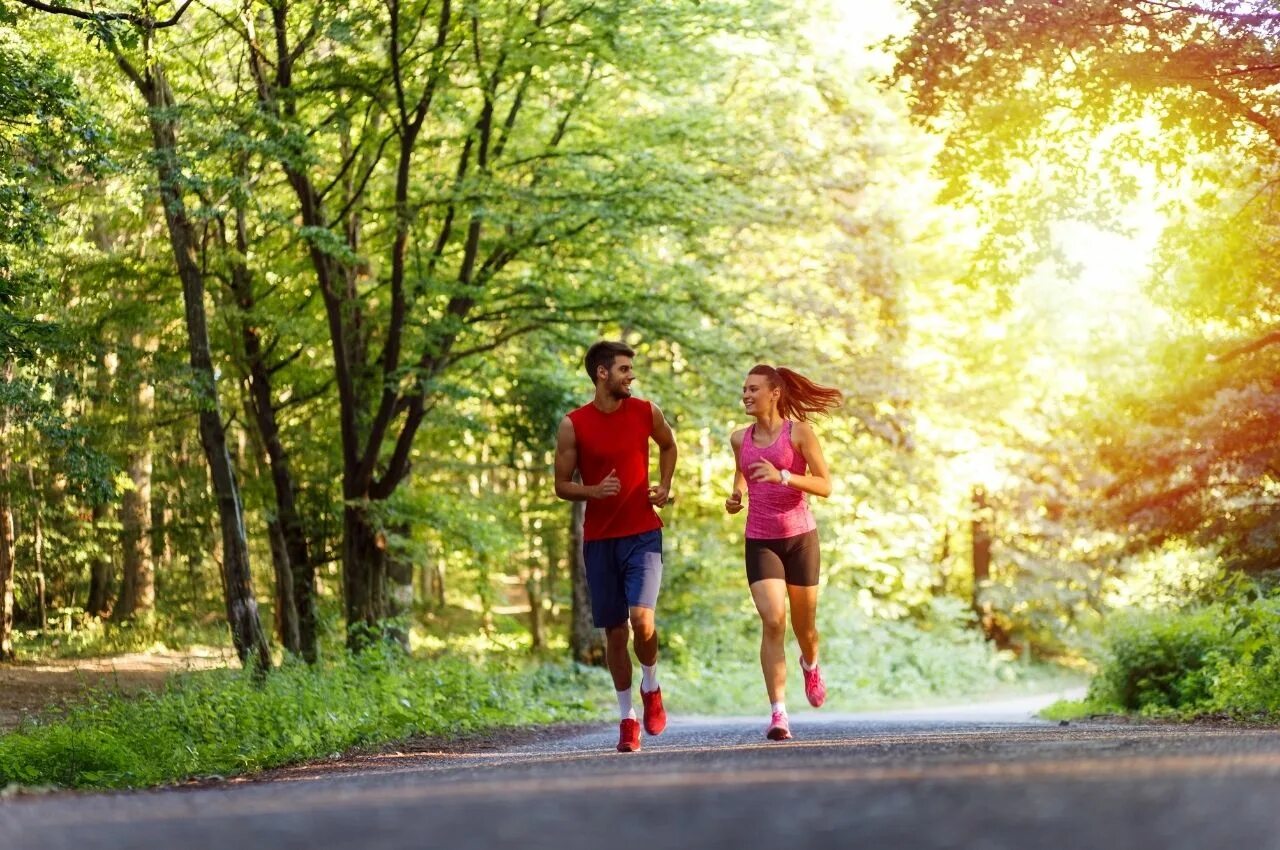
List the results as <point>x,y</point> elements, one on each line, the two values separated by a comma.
<point>733,504</point>
<point>659,495</point>
<point>610,486</point>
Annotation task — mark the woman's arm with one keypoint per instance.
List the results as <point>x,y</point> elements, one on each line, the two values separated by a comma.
<point>818,480</point>
<point>733,504</point>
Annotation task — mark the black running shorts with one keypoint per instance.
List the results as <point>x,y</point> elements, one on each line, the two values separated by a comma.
<point>795,559</point>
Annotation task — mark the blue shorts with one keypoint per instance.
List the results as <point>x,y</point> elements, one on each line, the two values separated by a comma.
<point>622,573</point>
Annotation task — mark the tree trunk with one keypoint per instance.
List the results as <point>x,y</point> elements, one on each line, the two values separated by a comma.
<point>363,574</point>
<point>981,555</point>
<point>981,551</point>
<point>242,607</point>
<point>263,410</point>
<point>436,576</point>
<point>7,552</point>
<point>586,643</point>
<point>99,569</point>
<point>399,587</point>
<point>137,583</point>
<point>37,550</point>
<point>286,609</point>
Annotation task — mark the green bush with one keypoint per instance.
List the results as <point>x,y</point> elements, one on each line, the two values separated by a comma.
<point>224,722</point>
<point>1210,659</point>
<point>1160,663</point>
<point>1248,681</point>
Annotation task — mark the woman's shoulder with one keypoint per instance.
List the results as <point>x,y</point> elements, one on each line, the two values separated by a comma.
<point>801,431</point>
<point>739,435</point>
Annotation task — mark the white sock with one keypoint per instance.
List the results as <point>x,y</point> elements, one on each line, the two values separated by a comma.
<point>805,665</point>
<point>780,707</point>
<point>648,678</point>
<point>625,711</point>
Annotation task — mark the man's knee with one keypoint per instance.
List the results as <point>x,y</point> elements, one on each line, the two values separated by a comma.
<point>642,622</point>
<point>618,634</point>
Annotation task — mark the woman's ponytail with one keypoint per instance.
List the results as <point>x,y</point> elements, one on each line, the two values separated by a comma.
<point>800,397</point>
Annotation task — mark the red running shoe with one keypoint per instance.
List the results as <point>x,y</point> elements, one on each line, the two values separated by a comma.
<point>629,735</point>
<point>655,716</point>
<point>814,688</point>
<point>779,727</point>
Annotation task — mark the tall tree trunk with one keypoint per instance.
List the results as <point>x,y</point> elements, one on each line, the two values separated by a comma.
<point>7,552</point>
<point>241,605</point>
<point>363,573</point>
<point>286,609</point>
<point>981,556</point>
<point>586,643</point>
<point>981,546</point>
<point>435,577</point>
<point>99,568</point>
<point>399,588</point>
<point>37,550</point>
<point>137,584</point>
<point>263,414</point>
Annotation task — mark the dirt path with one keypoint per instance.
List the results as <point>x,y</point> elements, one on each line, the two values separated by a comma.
<point>30,689</point>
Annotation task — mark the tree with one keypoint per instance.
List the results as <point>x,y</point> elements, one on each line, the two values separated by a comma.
<point>458,173</point>
<point>44,131</point>
<point>1059,111</point>
<point>118,32</point>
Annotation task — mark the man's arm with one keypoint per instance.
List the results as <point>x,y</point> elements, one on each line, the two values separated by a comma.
<point>567,465</point>
<point>666,440</point>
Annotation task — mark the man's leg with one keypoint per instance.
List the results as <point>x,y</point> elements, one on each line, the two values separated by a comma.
<point>643,578</point>
<point>609,611</point>
<point>618,655</point>
<point>645,635</point>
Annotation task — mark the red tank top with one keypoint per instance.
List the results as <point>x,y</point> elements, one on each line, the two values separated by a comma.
<point>617,441</point>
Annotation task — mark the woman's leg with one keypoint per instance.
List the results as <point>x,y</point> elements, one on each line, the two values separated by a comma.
<point>804,620</point>
<point>770,596</point>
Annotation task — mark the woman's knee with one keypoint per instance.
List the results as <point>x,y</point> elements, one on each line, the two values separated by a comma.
<point>774,627</point>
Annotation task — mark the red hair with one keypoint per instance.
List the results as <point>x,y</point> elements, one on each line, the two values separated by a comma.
<point>800,396</point>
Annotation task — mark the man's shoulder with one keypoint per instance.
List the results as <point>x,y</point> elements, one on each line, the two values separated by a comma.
<point>578,412</point>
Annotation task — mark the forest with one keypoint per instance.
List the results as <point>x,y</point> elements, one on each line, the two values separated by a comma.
<point>293,296</point>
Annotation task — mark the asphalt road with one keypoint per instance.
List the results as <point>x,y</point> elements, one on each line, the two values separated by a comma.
<point>987,777</point>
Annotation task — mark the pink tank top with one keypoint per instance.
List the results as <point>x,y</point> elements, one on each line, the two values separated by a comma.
<point>774,510</point>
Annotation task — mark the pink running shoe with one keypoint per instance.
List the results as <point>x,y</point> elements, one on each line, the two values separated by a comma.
<point>779,727</point>
<point>629,736</point>
<point>814,688</point>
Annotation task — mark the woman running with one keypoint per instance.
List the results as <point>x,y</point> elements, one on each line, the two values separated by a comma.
<point>780,461</point>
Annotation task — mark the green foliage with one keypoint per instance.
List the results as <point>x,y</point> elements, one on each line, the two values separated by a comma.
<point>94,637</point>
<point>1218,658</point>
<point>227,723</point>
<point>1158,663</point>
<point>869,661</point>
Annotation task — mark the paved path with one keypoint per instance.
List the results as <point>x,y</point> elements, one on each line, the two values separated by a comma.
<point>984,777</point>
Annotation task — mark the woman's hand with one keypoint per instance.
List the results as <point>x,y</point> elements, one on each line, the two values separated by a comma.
<point>762,470</point>
<point>733,504</point>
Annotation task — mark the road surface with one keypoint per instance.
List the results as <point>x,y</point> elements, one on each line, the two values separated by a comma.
<point>982,777</point>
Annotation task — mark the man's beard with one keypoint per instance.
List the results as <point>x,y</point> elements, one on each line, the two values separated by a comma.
<point>620,391</point>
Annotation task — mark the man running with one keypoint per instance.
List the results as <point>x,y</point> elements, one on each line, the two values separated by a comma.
<point>606,441</point>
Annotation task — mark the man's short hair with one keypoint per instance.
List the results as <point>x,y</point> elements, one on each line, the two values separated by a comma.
<point>603,354</point>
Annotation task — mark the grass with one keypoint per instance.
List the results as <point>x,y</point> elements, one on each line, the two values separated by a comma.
<point>477,676</point>
<point>224,723</point>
